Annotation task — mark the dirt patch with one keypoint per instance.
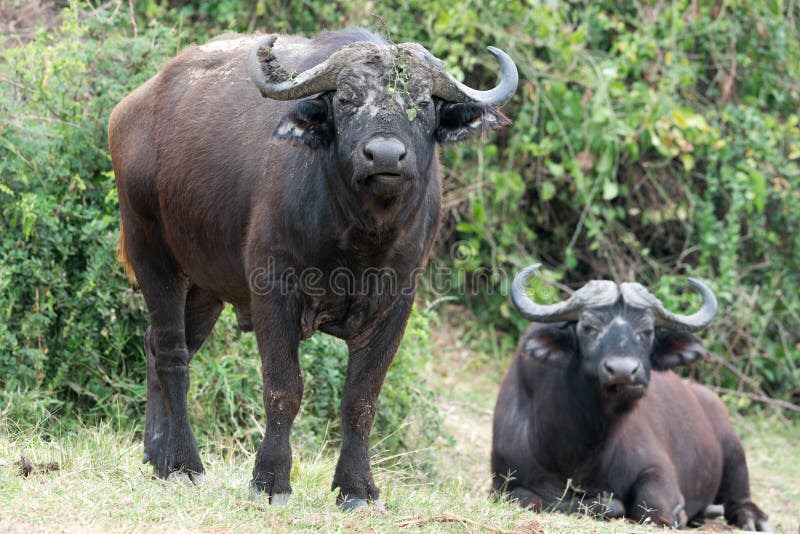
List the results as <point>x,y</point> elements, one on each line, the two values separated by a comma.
<point>26,467</point>
<point>19,20</point>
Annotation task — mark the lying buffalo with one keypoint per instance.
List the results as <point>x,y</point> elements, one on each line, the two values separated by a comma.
<point>590,409</point>
<point>279,174</point>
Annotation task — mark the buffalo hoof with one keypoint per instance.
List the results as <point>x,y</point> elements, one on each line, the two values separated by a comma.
<point>354,503</point>
<point>187,478</point>
<point>679,517</point>
<point>607,507</point>
<point>714,511</point>
<point>748,517</point>
<point>756,525</point>
<point>616,508</point>
<point>278,499</point>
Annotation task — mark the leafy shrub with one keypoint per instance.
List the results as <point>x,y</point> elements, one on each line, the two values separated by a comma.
<point>650,140</point>
<point>70,327</point>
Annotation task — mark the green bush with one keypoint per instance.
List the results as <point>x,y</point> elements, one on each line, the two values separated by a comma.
<point>70,329</point>
<point>651,140</point>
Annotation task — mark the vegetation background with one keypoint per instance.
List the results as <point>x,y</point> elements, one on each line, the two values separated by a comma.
<point>651,141</point>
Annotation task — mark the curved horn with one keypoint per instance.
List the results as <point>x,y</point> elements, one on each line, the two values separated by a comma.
<point>594,293</point>
<point>638,295</point>
<point>274,82</point>
<point>448,88</point>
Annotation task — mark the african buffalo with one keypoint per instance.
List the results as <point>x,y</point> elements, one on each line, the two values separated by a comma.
<point>589,409</point>
<point>263,171</point>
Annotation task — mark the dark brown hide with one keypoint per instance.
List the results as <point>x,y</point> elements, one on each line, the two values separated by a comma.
<point>666,458</point>
<point>227,196</point>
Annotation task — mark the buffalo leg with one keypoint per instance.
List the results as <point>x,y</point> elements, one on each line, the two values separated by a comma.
<point>657,497</point>
<point>566,502</point>
<point>366,369</point>
<point>276,323</point>
<point>156,428</point>
<point>734,491</point>
<point>165,291</point>
<point>201,312</point>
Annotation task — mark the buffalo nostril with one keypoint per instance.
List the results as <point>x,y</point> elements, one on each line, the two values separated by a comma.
<point>621,367</point>
<point>385,152</point>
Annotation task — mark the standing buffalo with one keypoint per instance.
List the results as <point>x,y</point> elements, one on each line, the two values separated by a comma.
<point>280,174</point>
<point>590,408</point>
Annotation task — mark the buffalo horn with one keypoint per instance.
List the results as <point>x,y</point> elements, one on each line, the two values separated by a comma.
<point>594,293</point>
<point>448,88</point>
<point>638,295</point>
<point>274,82</point>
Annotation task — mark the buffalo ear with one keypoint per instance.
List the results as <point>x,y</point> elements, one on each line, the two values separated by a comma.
<point>548,342</point>
<point>672,349</point>
<point>458,121</point>
<point>307,122</point>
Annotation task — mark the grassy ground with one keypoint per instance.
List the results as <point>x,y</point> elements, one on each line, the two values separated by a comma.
<point>100,485</point>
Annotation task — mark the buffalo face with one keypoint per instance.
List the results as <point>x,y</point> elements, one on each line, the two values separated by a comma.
<point>614,335</point>
<point>615,344</point>
<point>378,112</point>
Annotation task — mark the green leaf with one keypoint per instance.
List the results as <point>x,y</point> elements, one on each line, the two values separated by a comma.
<point>548,191</point>
<point>610,189</point>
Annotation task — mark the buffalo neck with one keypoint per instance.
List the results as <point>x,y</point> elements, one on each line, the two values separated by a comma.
<point>327,219</point>
<point>570,423</point>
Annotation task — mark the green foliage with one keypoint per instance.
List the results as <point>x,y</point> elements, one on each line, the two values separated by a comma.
<point>650,140</point>
<point>71,325</point>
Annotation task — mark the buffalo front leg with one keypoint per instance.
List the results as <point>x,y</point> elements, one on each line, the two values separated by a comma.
<point>369,360</point>
<point>657,497</point>
<point>276,325</point>
<point>564,500</point>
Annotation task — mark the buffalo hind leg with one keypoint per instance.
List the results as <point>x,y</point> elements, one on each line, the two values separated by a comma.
<point>734,491</point>
<point>201,312</point>
<point>276,322</point>
<point>165,289</point>
<point>366,369</point>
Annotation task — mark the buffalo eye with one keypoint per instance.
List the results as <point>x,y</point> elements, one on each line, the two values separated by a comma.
<point>347,97</point>
<point>589,330</point>
<point>645,335</point>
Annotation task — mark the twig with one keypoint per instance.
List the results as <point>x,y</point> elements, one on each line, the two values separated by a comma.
<point>741,376</point>
<point>449,517</point>
<point>134,28</point>
<point>775,403</point>
<point>726,85</point>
